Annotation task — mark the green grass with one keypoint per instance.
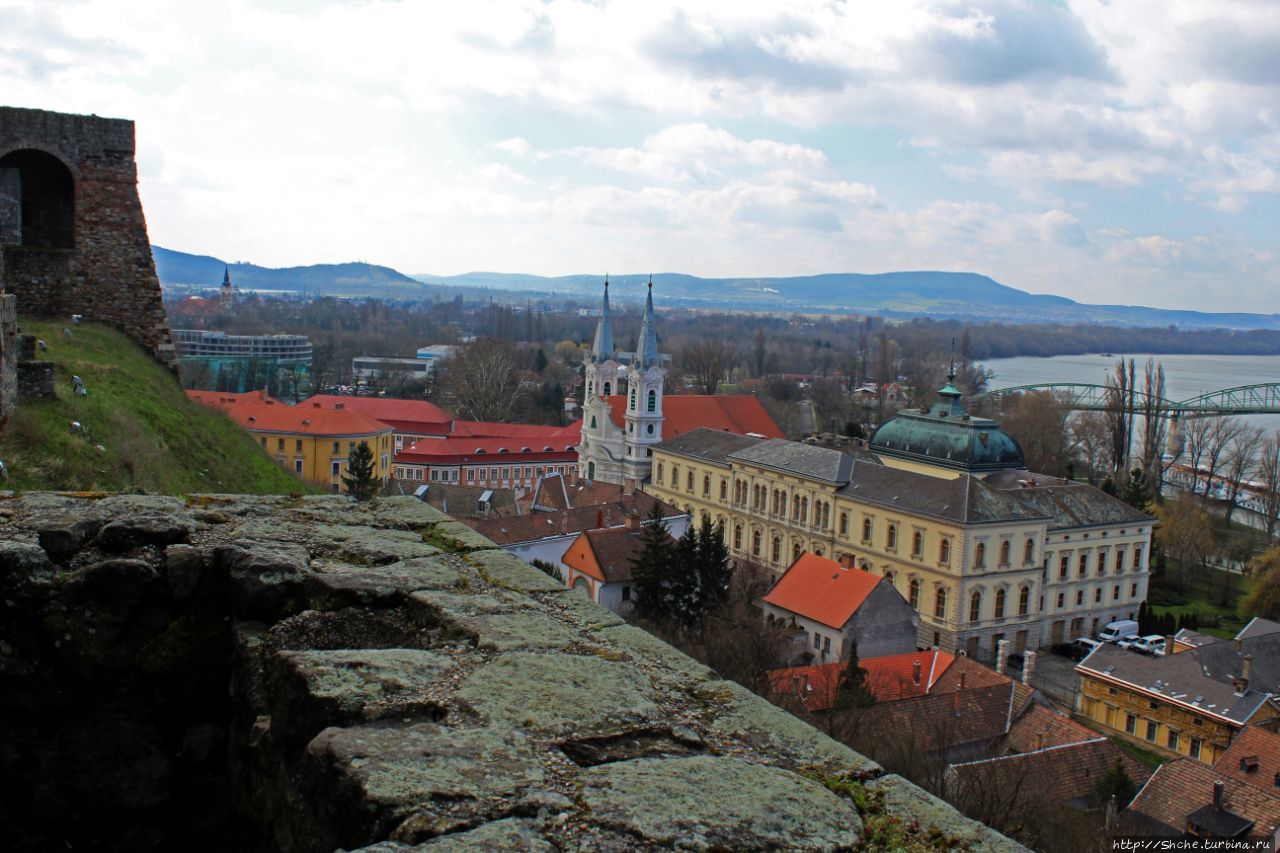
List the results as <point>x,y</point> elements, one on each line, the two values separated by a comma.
<point>152,437</point>
<point>1143,756</point>
<point>1202,596</point>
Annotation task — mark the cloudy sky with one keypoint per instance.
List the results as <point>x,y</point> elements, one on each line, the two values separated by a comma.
<point>1120,151</point>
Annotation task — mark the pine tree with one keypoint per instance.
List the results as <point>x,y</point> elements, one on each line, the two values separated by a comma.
<point>1115,782</point>
<point>651,567</point>
<point>715,570</point>
<point>682,585</point>
<point>1136,489</point>
<point>852,691</point>
<point>359,479</point>
<point>1144,619</point>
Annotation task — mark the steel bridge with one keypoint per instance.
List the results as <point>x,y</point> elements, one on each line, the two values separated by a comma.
<point>1260,399</point>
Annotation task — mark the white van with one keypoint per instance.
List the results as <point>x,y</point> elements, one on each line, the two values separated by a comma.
<point>1152,644</point>
<point>1118,630</point>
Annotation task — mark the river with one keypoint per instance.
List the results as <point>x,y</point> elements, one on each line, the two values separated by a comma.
<point>1185,375</point>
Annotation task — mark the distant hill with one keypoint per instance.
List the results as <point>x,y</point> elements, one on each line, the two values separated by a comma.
<point>960,295</point>
<point>151,436</point>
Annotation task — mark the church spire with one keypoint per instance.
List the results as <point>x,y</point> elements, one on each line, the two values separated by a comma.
<point>226,277</point>
<point>602,349</point>
<point>647,344</point>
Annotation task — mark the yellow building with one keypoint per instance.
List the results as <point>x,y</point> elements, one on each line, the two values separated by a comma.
<point>1187,705</point>
<point>312,441</point>
<point>940,504</point>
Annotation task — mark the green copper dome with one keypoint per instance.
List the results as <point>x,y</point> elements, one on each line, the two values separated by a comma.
<point>948,436</point>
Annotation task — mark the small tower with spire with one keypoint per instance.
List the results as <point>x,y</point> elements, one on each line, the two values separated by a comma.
<point>597,456</point>
<point>226,293</point>
<point>644,398</point>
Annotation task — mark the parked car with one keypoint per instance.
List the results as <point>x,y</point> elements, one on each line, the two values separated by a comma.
<point>1084,647</point>
<point>1152,644</point>
<point>1128,642</point>
<point>1113,632</point>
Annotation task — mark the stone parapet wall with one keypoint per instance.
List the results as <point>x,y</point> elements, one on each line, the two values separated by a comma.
<point>395,679</point>
<point>8,354</point>
<point>108,273</point>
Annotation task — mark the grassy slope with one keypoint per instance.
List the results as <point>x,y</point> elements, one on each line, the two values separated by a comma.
<point>154,438</point>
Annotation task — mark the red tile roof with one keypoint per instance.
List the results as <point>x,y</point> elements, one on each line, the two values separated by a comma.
<point>411,416</point>
<point>1066,772</point>
<point>273,416</point>
<point>454,451</point>
<point>889,678</point>
<point>222,399</point>
<point>1041,727</point>
<point>570,522</point>
<point>822,590</point>
<point>681,413</point>
<point>611,553</point>
<point>1180,788</point>
<point>1253,757</point>
<point>570,434</point>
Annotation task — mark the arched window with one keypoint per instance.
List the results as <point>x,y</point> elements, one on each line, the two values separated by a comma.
<point>1024,600</point>
<point>975,606</point>
<point>1028,551</point>
<point>844,524</point>
<point>1000,603</point>
<point>593,421</point>
<point>776,553</point>
<point>940,604</point>
<point>653,400</point>
<point>980,556</point>
<point>607,389</point>
<point>706,485</point>
<point>688,480</point>
<point>795,552</point>
<point>631,403</point>
<point>591,470</point>
<point>944,551</point>
<point>917,544</point>
<point>866,530</point>
<point>888,575</point>
<point>1004,552</point>
<point>583,587</point>
<point>737,537</point>
<point>724,490</point>
<point>46,199</point>
<point>782,507</point>
<point>826,514</point>
<point>914,594</point>
<point>675,475</point>
<point>755,543</point>
<point>891,537</point>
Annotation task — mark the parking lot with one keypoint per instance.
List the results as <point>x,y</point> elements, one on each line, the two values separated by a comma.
<point>1055,676</point>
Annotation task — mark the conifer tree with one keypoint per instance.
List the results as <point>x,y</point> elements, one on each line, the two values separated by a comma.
<point>359,479</point>
<point>852,691</point>
<point>714,568</point>
<point>651,567</point>
<point>683,581</point>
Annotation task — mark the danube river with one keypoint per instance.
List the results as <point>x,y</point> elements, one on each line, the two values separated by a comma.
<point>1185,375</point>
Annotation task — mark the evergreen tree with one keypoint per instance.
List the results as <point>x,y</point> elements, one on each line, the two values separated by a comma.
<point>652,566</point>
<point>1115,782</point>
<point>715,570</point>
<point>1144,619</point>
<point>682,584</point>
<point>1109,486</point>
<point>359,479</point>
<point>852,691</point>
<point>1136,489</point>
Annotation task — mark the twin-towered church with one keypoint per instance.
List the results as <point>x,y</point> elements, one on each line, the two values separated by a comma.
<point>623,419</point>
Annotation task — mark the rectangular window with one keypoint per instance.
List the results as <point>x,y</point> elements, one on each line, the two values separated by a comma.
<point>336,468</point>
<point>298,446</point>
<point>660,472</point>
<point>626,593</point>
<point>817,640</point>
<point>1062,600</point>
<point>1115,592</point>
<point>1137,558</point>
<point>297,466</point>
<point>1097,595</point>
<point>1131,724</point>
<point>826,645</point>
<point>336,448</point>
<point>1079,597</point>
<point>1193,747</point>
<point>1062,565</point>
<point>1119,560</point>
<point>1153,729</point>
<point>1084,564</point>
<point>1173,740</point>
<point>1133,590</point>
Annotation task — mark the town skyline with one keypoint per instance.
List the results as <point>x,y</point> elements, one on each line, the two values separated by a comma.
<point>1043,145</point>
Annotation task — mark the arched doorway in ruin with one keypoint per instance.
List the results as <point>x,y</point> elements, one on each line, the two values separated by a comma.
<point>37,201</point>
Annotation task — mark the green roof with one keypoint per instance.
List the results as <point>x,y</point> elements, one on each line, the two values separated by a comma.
<point>948,436</point>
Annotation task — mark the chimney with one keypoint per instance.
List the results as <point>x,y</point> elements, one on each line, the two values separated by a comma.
<point>633,521</point>
<point>1002,655</point>
<point>1168,644</point>
<point>1246,670</point>
<point>1239,644</point>
<point>564,521</point>
<point>915,672</point>
<point>962,681</point>
<point>1028,667</point>
<point>599,519</point>
<point>955,700</point>
<point>1219,790</point>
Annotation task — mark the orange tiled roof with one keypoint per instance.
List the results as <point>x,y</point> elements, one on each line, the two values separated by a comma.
<point>1042,727</point>
<point>822,590</point>
<point>889,678</point>
<point>611,553</point>
<point>301,420</point>
<point>570,434</point>
<point>1253,757</point>
<point>1180,788</point>
<point>683,413</point>
<point>402,415</point>
<point>446,451</point>
<point>222,399</point>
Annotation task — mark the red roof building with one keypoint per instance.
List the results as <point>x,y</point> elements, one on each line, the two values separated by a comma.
<point>495,463</point>
<point>835,606</point>
<point>598,564</point>
<point>889,678</point>
<point>410,420</point>
<point>741,414</point>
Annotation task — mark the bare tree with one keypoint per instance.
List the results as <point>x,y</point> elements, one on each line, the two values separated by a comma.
<point>1268,473</point>
<point>1222,432</point>
<point>709,360</point>
<point>1038,420</point>
<point>1120,415</point>
<point>1197,441</point>
<point>1091,439</point>
<point>1241,461</point>
<point>481,381</point>
<point>1155,424</point>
